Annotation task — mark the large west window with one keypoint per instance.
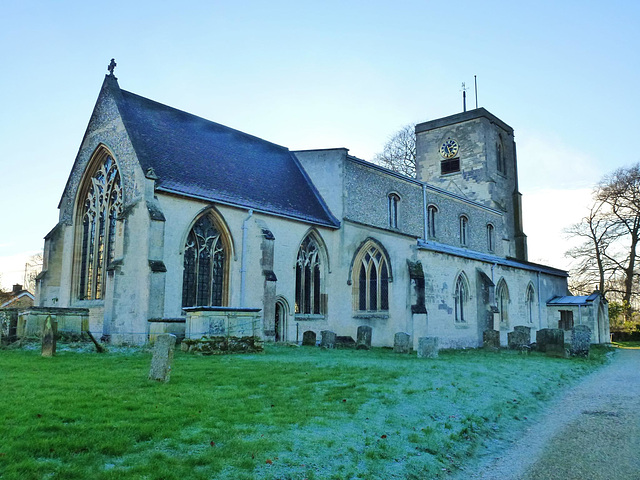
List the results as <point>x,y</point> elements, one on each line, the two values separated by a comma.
<point>371,277</point>
<point>309,277</point>
<point>100,204</point>
<point>206,263</point>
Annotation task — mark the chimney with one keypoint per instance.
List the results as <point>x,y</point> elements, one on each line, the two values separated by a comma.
<point>17,288</point>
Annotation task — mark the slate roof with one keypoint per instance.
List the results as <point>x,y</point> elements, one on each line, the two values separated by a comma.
<point>488,258</point>
<point>574,300</point>
<point>198,158</point>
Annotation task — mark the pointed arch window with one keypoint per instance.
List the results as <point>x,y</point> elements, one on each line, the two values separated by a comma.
<point>432,210</point>
<point>503,302</point>
<point>99,208</point>
<point>464,230</point>
<point>309,278</point>
<point>206,269</point>
<point>461,295</point>
<point>530,302</point>
<point>491,241</point>
<point>500,160</point>
<point>393,202</point>
<point>371,277</point>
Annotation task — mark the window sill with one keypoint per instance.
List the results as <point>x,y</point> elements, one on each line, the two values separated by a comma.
<point>462,325</point>
<point>306,317</point>
<point>370,315</point>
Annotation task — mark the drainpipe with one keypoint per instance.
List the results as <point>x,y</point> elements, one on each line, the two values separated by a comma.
<point>424,210</point>
<point>539,303</point>
<point>243,261</point>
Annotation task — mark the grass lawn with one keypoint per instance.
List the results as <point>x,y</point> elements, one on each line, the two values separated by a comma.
<point>629,344</point>
<point>290,413</point>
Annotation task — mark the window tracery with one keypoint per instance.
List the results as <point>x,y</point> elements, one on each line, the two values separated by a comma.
<point>371,279</point>
<point>308,278</point>
<point>101,208</point>
<point>460,297</point>
<point>205,265</point>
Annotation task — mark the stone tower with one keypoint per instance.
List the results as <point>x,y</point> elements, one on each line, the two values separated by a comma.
<point>473,154</point>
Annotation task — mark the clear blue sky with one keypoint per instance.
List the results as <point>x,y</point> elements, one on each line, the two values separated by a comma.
<point>565,75</point>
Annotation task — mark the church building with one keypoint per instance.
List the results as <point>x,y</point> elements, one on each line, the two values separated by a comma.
<point>170,222</point>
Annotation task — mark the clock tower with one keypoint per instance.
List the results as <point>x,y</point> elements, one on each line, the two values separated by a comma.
<point>473,155</point>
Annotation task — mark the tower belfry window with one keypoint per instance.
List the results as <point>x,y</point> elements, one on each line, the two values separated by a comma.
<point>450,165</point>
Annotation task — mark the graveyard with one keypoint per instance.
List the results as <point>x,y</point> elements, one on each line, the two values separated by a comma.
<point>286,412</point>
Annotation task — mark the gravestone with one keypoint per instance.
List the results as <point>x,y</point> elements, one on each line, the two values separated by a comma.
<point>162,357</point>
<point>491,339</point>
<point>49,337</point>
<point>364,338</point>
<point>402,343</point>
<point>520,338</point>
<point>428,347</point>
<point>327,339</point>
<point>580,340</point>
<point>345,341</point>
<point>551,341</point>
<point>309,338</point>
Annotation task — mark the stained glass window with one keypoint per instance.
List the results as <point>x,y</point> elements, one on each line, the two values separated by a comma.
<point>308,278</point>
<point>205,257</point>
<point>372,279</point>
<point>100,209</point>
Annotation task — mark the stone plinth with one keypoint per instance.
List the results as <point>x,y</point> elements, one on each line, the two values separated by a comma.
<point>69,321</point>
<point>580,340</point>
<point>174,326</point>
<point>309,338</point>
<point>327,339</point>
<point>491,339</point>
<point>402,342</point>
<point>363,341</point>
<point>162,357</point>
<point>223,322</point>
<point>428,347</point>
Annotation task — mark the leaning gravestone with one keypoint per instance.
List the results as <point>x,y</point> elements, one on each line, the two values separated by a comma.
<point>162,357</point>
<point>309,338</point>
<point>491,339</point>
<point>580,340</point>
<point>364,338</point>
<point>428,347</point>
<point>401,343</point>
<point>49,337</point>
<point>520,338</point>
<point>328,339</point>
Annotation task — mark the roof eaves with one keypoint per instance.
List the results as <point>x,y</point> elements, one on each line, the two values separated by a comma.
<point>313,221</point>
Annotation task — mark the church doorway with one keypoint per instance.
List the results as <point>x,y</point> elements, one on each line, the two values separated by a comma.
<point>281,320</point>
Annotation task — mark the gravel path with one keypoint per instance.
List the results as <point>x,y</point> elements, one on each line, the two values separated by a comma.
<point>591,433</point>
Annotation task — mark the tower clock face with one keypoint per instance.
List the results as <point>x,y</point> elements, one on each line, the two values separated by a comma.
<point>449,148</point>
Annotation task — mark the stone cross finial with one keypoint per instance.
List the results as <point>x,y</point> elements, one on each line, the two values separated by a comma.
<point>112,66</point>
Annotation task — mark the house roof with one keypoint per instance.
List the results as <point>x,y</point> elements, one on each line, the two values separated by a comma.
<point>195,157</point>
<point>17,296</point>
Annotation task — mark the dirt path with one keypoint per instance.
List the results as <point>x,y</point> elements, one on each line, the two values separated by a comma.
<point>592,432</point>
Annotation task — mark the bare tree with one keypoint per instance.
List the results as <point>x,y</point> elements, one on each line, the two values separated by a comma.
<point>31,270</point>
<point>621,193</point>
<point>594,263</point>
<point>399,153</point>
<point>611,233</point>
